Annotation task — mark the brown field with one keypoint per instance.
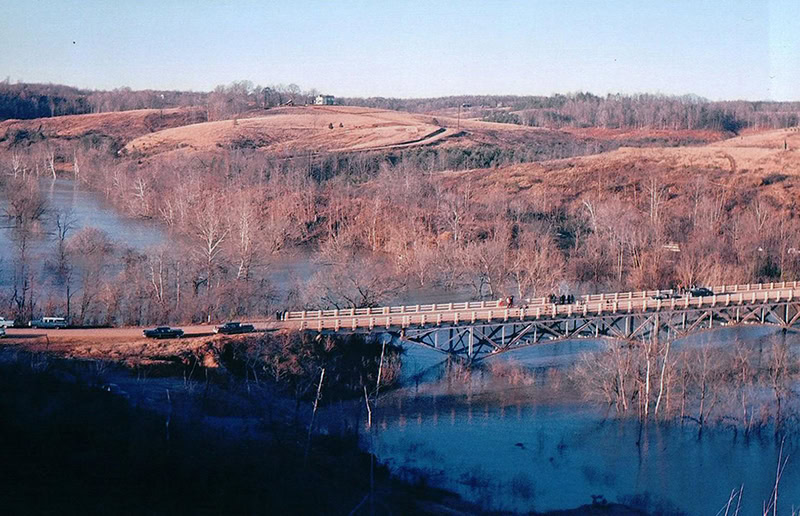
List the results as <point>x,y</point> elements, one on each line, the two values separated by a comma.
<point>740,165</point>
<point>121,126</point>
<point>291,130</point>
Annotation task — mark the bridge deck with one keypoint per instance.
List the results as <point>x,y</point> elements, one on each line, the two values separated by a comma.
<point>626,303</point>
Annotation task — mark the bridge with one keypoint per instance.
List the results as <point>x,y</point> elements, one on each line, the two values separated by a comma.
<point>478,329</point>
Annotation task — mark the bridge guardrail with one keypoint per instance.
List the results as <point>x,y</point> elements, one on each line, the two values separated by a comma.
<point>584,300</point>
<point>473,312</point>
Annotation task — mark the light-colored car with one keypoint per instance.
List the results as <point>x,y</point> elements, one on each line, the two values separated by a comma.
<point>53,323</point>
<point>2,332</point>
<point>6,323</point>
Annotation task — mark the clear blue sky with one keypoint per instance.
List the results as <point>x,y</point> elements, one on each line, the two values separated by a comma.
<point>720,50</point>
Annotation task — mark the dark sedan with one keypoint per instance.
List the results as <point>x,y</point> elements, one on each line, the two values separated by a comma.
<point>164,332</point>
<point>234,327</point>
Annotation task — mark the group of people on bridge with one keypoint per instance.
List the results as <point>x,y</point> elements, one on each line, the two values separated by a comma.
<point>563,299</point>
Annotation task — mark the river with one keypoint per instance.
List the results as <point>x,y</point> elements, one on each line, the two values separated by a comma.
<point>506,447</point>
<point>87,209</point>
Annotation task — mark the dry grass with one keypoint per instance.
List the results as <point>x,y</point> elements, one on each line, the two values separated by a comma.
<point>291,129</point>
<point>739,166</point>
<point>113,348</point>
<point>122,126</point>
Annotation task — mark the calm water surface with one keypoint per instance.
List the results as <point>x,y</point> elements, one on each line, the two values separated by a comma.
<point>496,448</point>
<point>90,209</point>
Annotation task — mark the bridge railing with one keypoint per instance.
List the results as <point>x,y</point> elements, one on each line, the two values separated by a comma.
<point>643,299</point>
<point>475,314</point>
<point>755,286</point>
<point>386,310</point>
<point>593,309</point>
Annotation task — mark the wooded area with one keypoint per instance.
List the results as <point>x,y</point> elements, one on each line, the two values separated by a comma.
<point>372,229</point>
<point>583,109</point>
<point>612,111</point>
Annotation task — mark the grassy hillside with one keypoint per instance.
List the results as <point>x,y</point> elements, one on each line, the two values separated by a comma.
<point>743,167</point>
<point>119,127</point>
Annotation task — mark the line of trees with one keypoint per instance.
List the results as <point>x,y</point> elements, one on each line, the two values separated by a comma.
<point>583,109</point>
<point>26,101</point>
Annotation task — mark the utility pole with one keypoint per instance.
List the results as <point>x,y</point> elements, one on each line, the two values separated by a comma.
<point>458,126</point>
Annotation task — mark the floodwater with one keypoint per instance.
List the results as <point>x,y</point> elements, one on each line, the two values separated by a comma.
<point>499,446</point>
<point>87,209</point>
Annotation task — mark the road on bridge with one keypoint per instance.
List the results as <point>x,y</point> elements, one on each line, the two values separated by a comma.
<point>400,317</point>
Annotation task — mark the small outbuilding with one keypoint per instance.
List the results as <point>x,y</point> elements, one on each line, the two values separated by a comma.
<point>324,100</point>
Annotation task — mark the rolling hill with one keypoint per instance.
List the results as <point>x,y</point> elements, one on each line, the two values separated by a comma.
<point>741,167</point>
<point>118,126</point>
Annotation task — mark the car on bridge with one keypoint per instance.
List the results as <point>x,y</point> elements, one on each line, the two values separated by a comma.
<point>163,332</point>
<point>6,323</point>
<point>230,328</point>
<point>701,292</point>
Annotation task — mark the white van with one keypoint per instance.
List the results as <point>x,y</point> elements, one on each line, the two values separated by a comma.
<point>6,323</point>
<point>49,322</point>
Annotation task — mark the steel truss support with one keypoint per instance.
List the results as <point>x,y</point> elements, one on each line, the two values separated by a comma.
<point>474,341</point>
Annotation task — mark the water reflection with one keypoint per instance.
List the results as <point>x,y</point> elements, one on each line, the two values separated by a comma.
<point>87,209</point>
<point>508,448</point>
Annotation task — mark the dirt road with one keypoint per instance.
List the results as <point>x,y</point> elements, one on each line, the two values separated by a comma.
<point>127,333</point>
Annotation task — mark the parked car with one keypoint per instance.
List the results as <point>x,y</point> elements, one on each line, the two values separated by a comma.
<point>51,323</point>
<point>234,327</point>
<point>660,296</point>
<point>701,292</point>
<point>6,323</point>
<point>163,332</point>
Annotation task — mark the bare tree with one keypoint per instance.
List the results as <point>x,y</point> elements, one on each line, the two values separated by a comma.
<point>91,249</point>
<point>63,270</point>
<point>210,230</point>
